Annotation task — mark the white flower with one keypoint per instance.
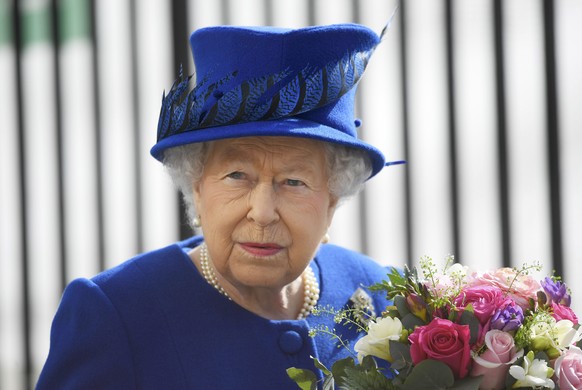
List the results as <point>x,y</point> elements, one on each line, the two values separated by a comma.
<point>376,342</point>
<point>542,333</point>
<point>566,335</point>
<point>534,373</point>
<point>458,270</point>
<point>450,281</point>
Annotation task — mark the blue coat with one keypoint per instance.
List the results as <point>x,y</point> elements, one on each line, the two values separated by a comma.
<point>154,323</point>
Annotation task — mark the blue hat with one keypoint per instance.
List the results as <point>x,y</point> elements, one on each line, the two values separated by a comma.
<point>267,81</point>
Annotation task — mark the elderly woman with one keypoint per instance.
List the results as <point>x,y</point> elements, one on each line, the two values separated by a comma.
<point>264,149</point>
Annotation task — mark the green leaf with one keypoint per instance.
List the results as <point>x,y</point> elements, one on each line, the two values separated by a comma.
<point>430,375</point>
<point>542,355</point>
<point>338,369</point>
<point>305,379</point>
<point>468,383</point>
<point>398,365</point>
<point>400,303</point>
<point>368,363</point>
<point>320,365</point>
<point>542,298</point>
<point>532,303</point>
<point>396,284</point>
<point>359,379</point>
<point>399,351</point>
<point>410,321</point>
<point>329,383</point>
<point>468,318</point>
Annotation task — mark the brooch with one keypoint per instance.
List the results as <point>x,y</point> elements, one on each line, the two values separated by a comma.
<point>363,307</point>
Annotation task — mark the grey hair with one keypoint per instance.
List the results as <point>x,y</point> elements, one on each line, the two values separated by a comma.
<point>348,168</point>
<point>185,165</point>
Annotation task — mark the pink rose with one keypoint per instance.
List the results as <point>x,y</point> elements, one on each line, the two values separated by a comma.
<point>523,287</point>
<point>444,341</point>
<point>561,312</point>
<point>568,369</point>
<point>485,300</point>
<point>494,363</point>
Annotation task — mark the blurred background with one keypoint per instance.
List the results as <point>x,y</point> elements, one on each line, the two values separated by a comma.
<point>482,98</point>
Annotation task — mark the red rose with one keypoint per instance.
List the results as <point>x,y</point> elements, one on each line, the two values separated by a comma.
<point>444,341</point>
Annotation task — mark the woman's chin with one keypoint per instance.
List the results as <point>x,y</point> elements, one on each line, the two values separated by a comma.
<point>266,276</point>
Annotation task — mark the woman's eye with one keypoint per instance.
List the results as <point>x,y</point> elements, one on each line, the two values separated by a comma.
<point>236,175</point>
<point>295,183</point>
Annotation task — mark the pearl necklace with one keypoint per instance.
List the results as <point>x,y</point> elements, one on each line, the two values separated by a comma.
<point>208,271</point>
<point>311,287</point>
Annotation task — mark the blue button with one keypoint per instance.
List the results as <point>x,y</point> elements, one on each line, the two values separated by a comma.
<point>290,341</point>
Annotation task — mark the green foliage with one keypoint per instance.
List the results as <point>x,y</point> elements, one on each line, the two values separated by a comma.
<point>305,379</point>
<point>320,365</point>
<point>397,284</point>
<point>541,355</point>
<point>429,374</point>
<point>344,374</point>
<point>402,364</point>
<point>366,380</point>
<point>400,352</point>
<point>347,375</point>
<point>422,301</point>
<point>435,375</point>
<point>468,318</point>
<point>339,370</point>
<point>432,374</point>
<point>468,383</point>
<point>523,335</point>
<point>410,321</point>
<point>365,376</point>
<point>401,306</point>
<point>402,284</point>
<point>323,329</point>
<point>542,298</point>
<point>349,318</point>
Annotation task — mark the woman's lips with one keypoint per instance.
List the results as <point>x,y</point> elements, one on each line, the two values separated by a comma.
<point>258,249</point>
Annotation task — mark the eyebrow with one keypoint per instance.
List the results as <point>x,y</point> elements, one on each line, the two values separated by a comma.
<point>300,163</point>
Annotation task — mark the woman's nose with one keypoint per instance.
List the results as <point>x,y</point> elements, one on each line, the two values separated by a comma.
<point>263,205</point>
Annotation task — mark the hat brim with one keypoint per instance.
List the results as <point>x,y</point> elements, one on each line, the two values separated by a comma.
<point>288,127</point>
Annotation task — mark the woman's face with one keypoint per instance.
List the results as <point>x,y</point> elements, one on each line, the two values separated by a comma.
<point>264,206</point>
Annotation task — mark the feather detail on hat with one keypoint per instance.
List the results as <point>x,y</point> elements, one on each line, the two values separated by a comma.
<point>267,97</point>
<point>182,109</point>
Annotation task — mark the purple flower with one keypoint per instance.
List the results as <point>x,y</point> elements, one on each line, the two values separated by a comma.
<point>507,319</point>
<point>556,292</point>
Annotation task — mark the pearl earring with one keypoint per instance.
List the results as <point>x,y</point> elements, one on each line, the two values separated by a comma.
<point>196,221</point>
<point>325,238</point>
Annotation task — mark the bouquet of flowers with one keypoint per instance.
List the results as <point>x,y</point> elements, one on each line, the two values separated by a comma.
<point>452,329</point>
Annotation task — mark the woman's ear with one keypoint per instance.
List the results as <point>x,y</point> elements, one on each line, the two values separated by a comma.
<point>196,197</point>
<point>197,185</point>
<point>333,203</point>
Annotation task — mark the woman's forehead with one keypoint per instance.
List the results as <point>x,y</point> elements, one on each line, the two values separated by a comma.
<point>282,147</point>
